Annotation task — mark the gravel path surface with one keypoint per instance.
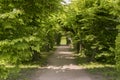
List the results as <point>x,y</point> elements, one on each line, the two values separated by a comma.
<point>61,67</point>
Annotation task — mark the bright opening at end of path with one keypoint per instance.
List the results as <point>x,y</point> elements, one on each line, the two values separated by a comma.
<point>66,2</point>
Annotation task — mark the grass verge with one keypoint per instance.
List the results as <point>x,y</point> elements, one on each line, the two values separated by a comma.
<point>106,71</point>
<point>26,70</point>
<point>63,40</point>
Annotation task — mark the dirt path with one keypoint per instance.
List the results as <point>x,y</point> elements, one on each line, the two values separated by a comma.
<point>61,67</point>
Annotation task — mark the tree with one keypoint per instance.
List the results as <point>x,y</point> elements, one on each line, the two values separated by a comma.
<point>24,29</point>
<point>94,28</point>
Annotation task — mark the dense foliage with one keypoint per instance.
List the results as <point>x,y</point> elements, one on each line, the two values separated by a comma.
<point>29,27</point>
<point>26,29</point>
<point>93,27</point>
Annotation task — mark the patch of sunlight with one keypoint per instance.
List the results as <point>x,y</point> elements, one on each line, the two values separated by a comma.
<point>93,65</point>
<point>64,67</point>
<point>63,52</point>
<point>24,66</point>
<point>29,66</point>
